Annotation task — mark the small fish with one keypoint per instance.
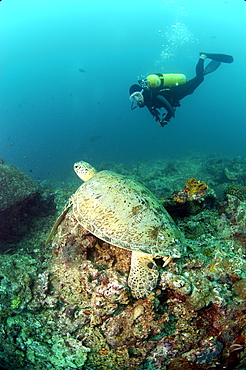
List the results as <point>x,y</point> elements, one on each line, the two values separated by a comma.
<point>95,137</point>
<point>7,146</point>
<point>81,70</point>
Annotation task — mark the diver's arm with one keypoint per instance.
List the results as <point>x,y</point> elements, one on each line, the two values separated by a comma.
<point>167,106</point>
<point>170,111</point>
<point>154,113</point>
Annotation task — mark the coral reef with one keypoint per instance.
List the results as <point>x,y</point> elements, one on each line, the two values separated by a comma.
<point>68,306</point>
<point>238,190</point>
<point>232,221</point>
<point>193,190</point>
<point>85,288</point>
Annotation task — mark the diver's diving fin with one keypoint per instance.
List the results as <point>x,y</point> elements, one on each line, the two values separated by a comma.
<point>224,58</point>
<point>211,67</point>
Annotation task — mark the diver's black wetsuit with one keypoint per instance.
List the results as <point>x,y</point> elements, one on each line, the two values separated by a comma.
<point>169,98</point>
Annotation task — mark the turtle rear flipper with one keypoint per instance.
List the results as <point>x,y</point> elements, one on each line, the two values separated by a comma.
<point>143,275</point>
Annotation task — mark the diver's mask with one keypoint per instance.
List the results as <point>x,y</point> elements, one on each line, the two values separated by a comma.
<point>137,99</point>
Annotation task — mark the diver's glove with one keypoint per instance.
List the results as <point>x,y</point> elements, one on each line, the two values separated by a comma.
<point>163,123</point>
<point>156,115</point>
<point>159,121</point>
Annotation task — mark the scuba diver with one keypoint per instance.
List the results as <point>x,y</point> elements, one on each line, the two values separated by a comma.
<point>160,92</point>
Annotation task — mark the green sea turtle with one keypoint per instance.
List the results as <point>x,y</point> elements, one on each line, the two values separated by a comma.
<point>125,213</point>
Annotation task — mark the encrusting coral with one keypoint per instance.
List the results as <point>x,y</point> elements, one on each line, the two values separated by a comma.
<point>193,190</point>
<point>90,278</point>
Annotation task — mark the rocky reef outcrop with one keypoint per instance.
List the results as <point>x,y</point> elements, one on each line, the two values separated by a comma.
<point>16,191</point>
<point>21,199</point>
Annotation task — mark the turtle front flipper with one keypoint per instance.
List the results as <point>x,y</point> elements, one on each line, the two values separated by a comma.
<point>58,221</point>
<point>143,275</point>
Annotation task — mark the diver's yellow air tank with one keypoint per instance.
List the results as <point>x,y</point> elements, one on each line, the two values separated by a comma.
<point>173,79</point>
<point>159,80</point>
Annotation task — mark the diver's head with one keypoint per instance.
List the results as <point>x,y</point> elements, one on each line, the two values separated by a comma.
<point>134,88</point>
<point>136,96</point>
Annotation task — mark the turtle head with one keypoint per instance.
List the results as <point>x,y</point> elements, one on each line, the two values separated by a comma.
<point>84,170</point>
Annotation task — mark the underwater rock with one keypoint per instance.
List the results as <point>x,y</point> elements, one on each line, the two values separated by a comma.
<point>232,222</point>
<point>238,191</point>
<point>22,203</point>
<point>199,224</point>
<point>16,277</point>
<point>223,267</point>
<point>170,169</point>
<point>16,191</point>
<point>40,345</point>
<point>135,323</point>
<point>176,282</point>
<point>240,288</point>
<point>15,186</point>
<point>202,293</point>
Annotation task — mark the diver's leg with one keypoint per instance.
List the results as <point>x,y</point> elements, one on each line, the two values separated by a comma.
<point>200,67</point>
<point>190,86</point>
<point>224,58</point>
